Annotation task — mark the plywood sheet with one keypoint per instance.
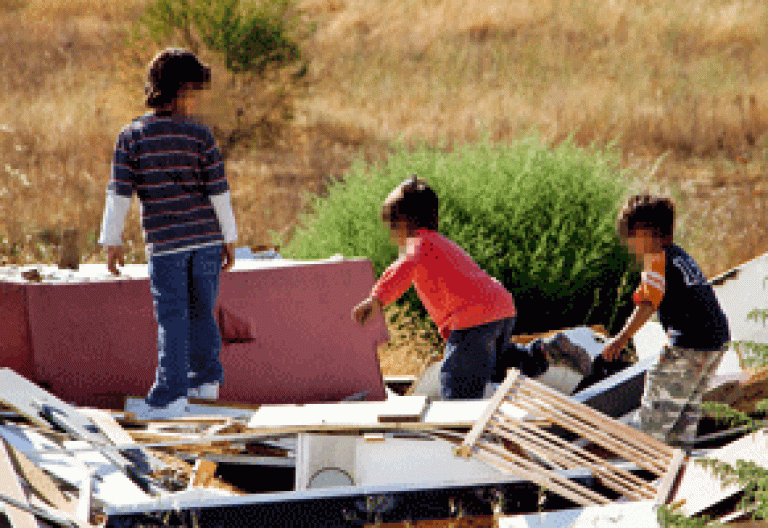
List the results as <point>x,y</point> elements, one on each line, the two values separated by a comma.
<point>11,487</point>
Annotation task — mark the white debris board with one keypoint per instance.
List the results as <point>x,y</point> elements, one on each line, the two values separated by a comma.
<point>640,514</point>
<point>700,489</point>
<point>398,409</point>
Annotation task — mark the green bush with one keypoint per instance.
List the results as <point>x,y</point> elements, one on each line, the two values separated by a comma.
<point>248,37</point>
<point>539,219</point>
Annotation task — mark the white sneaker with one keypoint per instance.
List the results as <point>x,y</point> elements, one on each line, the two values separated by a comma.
<point>176,409</point>
<point>206,391</point>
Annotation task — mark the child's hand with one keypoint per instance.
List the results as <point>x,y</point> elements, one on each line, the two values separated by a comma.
<point>115,256</point>
<point>362,312</point>
<point>227,256</point>
<point>613,348</point>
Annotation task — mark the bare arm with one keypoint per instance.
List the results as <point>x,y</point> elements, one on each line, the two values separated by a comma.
<point>639,317</point>
<point>363,312</point>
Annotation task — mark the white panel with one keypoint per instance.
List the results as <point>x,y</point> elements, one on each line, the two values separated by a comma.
<point>399,460</point>
<point>641,514</point>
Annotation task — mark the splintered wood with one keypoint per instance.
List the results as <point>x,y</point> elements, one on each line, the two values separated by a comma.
<point>549,454</point>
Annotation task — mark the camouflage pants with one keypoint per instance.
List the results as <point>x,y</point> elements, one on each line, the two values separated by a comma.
<point>671,406</point>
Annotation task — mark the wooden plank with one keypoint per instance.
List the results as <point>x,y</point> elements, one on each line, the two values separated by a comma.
<point>338,413</point>
<point>107,425</point>
<point>668,480</point>
<point>510,382</point>
<point>403,409</point>
<point>203,473</point>
<point>11,487</point>
<point>84,500</point>
<point>40,482</point>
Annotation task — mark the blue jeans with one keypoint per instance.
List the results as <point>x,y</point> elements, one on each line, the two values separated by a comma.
<point>470,359</point>
<point>184,287</point>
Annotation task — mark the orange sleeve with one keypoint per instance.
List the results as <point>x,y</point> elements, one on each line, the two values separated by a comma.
<point>395,280</point>
<point>652,281</point>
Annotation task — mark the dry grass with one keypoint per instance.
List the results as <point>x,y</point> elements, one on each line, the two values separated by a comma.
<point>680,87</point>
<point>653,77</point>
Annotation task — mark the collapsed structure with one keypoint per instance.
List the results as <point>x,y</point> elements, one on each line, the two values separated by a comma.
<point>331,445</point>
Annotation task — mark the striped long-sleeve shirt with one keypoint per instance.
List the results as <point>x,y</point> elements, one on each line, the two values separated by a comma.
<point>173,165</point>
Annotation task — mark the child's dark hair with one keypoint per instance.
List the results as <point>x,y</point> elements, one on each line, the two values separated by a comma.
<point>413,202</point>
<point>170,71</point>
<point>647,211</point>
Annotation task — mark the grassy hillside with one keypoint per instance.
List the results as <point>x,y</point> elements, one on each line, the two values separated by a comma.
<point>681,87</point>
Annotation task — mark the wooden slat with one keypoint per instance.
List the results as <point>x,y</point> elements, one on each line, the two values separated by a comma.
<point>639,441</point>
<point>602,438</point>
<point>548,479</point>
<point>622,473</point>
<point>655,465</point>
<point>554,452</point>
<point>665,486</point>
<point>619,428</point>
<point>617,479</point>
<point>108,425</point>
<point>501,393</point>
<point>622,488</point>
<point>529,444</point>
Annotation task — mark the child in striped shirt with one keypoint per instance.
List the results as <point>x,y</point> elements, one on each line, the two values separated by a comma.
<point>172,163</point>
<point>672,284</point>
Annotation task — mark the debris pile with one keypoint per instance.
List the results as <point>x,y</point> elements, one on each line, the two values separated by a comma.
<point>563,444</point>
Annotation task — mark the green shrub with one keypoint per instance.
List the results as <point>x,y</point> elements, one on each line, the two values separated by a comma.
<point>539,219</point>
<point>248,37</point>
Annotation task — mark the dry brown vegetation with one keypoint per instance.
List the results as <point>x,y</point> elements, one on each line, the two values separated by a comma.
<point>680,87</point>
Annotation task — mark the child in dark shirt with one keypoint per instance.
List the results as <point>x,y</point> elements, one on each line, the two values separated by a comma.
<point>672,284</point>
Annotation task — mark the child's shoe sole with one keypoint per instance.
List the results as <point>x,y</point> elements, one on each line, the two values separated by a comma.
<point>178,408</point>
<point>206,391</point>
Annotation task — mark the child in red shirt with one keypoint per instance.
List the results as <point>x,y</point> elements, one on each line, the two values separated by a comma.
<point>473,311</point>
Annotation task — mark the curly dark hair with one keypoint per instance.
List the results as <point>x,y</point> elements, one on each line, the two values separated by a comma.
<point>170,71</point>
<point>413,202</point>
<point>647,211</point>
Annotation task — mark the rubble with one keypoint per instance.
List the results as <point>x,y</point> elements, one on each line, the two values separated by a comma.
<point>553,452</point>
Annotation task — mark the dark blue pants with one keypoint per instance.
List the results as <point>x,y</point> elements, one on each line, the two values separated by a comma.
<point>185,286</point>
<point>470,359</point>
<point>474,356</point>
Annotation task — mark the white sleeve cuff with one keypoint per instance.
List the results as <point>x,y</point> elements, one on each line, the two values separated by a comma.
<point>223,207</point>
<point>113,223</point>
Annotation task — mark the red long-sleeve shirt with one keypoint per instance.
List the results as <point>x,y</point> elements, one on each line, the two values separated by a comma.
<point>456,292</point>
